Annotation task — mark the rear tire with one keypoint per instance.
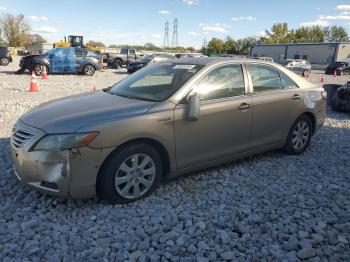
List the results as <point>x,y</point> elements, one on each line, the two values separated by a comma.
<point>299,136</point>
<point>4,61</point>
<point>89,70</point>
<point>130,174</point>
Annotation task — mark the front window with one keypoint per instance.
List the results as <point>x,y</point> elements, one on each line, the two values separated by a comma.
<point>222,82</point>
<point>155,83</point>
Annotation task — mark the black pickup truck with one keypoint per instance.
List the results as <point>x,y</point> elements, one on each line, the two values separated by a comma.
<point>5,56</point>
<point>125,56</point>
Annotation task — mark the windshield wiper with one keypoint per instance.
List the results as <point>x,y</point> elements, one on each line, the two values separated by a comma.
<point>135,97</point>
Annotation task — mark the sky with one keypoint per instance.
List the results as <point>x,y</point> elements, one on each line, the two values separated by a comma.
<point>137,22</point>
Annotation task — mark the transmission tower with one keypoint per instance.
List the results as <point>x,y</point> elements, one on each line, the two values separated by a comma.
<point>175,40</point>
<point>166,35</point>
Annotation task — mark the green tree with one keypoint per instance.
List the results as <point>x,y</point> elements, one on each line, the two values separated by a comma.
<point>216,46</point>
<point>336,34</point>
<point>230,45</point>
<point>15,30</point>
<point>37,39</point>
<point>279,32</point>
<point>95,43</point>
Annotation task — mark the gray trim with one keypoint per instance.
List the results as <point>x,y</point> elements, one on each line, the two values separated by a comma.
<point>287,44</point>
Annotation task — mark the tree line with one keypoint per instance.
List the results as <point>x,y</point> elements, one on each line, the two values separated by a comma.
<point>279,33</point>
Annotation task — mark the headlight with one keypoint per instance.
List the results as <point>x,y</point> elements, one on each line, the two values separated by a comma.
<point>64,141</point>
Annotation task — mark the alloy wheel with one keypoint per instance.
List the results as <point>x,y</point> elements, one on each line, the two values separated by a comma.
<point>300,136</point>
<point>39,69</point>
<point>135,176</point>
<point>89,70</point>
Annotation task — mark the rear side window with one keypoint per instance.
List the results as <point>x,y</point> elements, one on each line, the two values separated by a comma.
<point>265,78</point>
<point>287,83</point>
<point>80,53</point>
<point>224,81</point>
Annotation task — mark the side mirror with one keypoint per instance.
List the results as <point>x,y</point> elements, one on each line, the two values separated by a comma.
<point>193,108</point>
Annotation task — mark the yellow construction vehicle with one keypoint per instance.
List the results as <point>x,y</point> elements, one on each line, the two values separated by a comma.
<point>76,41</point>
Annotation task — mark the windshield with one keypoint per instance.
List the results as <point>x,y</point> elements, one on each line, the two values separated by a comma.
<point>156,82</point>
<point>338,64</point>
<point>51,51</point>
<point>147,58</point>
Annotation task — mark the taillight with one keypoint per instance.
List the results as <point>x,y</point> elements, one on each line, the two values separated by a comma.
<point>324,95</point>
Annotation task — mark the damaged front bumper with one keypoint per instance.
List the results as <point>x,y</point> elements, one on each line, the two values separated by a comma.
<point>65,173</point>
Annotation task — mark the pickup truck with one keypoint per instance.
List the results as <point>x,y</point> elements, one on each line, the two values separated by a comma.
<point>116,61</point>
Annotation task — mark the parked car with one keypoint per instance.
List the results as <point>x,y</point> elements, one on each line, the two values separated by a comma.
<point>341,99</point>
<point>299,66</point>
<point>125,56</point>
<point>170,118</point>
<point>62,60</point>
<point>339,68</point>
<point>137,65</point>
<point>5,56</point>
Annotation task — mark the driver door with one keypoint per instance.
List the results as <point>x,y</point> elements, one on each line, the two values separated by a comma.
<point>225,120</point>
<point>57,60</point>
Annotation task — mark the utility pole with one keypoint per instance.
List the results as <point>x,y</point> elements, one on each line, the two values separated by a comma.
<point>175,40</point>
<point>166,35</point>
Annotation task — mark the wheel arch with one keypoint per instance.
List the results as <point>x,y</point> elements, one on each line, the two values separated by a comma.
<point>158,146</point>
<point>312,118</point>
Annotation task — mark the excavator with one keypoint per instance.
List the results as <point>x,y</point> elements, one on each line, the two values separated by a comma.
<point>76,41</point>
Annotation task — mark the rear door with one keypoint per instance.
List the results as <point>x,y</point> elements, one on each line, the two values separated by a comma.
<point>224,125</point>
<point>80,59</point>
<point>277,103</point>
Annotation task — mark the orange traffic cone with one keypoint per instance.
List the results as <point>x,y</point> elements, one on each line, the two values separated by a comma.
<point>335,74</point>
<point>94,88</point>
<point>33,87</point>
<point>44,75</point>
<point>322,78</point>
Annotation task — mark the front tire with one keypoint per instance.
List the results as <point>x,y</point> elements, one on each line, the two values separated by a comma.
<point>130,174</point>
<point>117,64</point>
<point>299,136</point>
<point>39,69</point>
<point>4,61</point>
<point>89,70</point>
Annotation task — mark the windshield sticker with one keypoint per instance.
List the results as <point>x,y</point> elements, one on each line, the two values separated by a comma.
<point>187,67</point>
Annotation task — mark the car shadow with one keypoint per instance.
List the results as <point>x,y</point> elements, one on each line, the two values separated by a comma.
<point>8,72</point>
<point>120,73</point>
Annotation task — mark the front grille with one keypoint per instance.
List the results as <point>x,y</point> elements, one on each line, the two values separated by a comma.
<point>20,137</point>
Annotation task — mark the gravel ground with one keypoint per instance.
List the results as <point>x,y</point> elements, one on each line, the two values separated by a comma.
<point>271,207</point>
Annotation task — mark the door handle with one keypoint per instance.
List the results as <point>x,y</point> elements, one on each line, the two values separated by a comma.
<point>296,96</point>
<point>244,106</point>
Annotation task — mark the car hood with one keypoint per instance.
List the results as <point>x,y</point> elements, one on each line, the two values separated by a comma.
<point>68,114</point>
